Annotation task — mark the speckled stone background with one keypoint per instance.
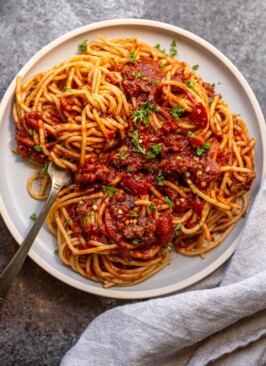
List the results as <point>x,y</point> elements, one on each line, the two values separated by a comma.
<point>43,317</point>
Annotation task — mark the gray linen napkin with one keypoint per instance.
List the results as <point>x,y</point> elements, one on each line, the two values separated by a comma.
<point>225,325</point>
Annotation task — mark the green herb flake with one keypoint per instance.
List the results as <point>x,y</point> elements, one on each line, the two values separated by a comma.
<point>83,46</point>
<point>123,153</point>
<point>31,132</point>
<point>129,169</point>
<point>195,67</point>
<point>152,207</point>
<point>66,89</point>
<point>135,241</point>
<point>158,47</point>
<point>163,64</point>
<point>135,142</point>
<point>150,169</point>
<point>173,50</point>
<point>157,149</point>
<point>191,134</point>
<point>56,251</point>
<point>132,56</point>
<point>68,220</point>
<point>142,114</point>
<point>190,84</point>
<point>133,214</point>
<point>33,217</point>
<point>177,112</point>
<point>38,148</point>
<point>109,189</point>
<point>139,75</point>
<point>160,179</point>
<point>169,202</point>
<point>154,83</point>
<point>45,168</point>
<point>88,216</point>
<point>150,155</point>
<point>203,148</point>
<point>177,229</point>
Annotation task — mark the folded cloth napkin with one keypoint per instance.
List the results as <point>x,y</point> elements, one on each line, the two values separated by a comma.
<point>225,325</point>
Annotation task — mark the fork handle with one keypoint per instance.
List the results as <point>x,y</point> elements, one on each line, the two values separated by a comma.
<point>14,266</point>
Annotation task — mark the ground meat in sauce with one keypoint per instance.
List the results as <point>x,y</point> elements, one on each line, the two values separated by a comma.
<point>133,231</point>
<point>139,77</point>
<point>237,186</point>
<point>136,172</point>
<point>144,229</point>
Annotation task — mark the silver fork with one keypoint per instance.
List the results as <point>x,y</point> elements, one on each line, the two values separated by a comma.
<point>60,178</point>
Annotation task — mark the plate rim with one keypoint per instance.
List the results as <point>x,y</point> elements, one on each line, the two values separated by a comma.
<point>140,294</point>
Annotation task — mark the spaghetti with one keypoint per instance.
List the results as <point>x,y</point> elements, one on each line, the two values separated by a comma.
<point>158,157</point>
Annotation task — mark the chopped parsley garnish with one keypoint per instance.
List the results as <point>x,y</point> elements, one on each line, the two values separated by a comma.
<point>122,154</point>
<point>177,112</point>
<point>203,148</point>
<point>33,217</point>
<point>83,46</point>
<point>56,251</point>
<point>150,169</point>
<point>109,189</point>
<point>160,179</point>
<point>158,46</point>
<point>37,148</point>
<point>173,50</point>
<point>135,142</point>
<point>139,75</point>
<point>178,227</point>
<point>156,149</point>
<point>162,65</point>
<point>88,216</point>
<point>129,169</point>
<point>191,134</point>
<point>150,155</point>
<point>195,67</point>
<point>132,56</point>
<point>146,109</point>
<point>135,241</point>
<point>169,202</point>
<point>66,89</point>
<point>67,220</point>
<point>155,82</point>
<point>133,213</point>
<point>45,168</point>
<point>151,207</point>
<point>190,84</point>
<point>31,132</point>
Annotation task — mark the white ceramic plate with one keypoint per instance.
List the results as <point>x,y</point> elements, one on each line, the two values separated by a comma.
<point>16,205</point>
